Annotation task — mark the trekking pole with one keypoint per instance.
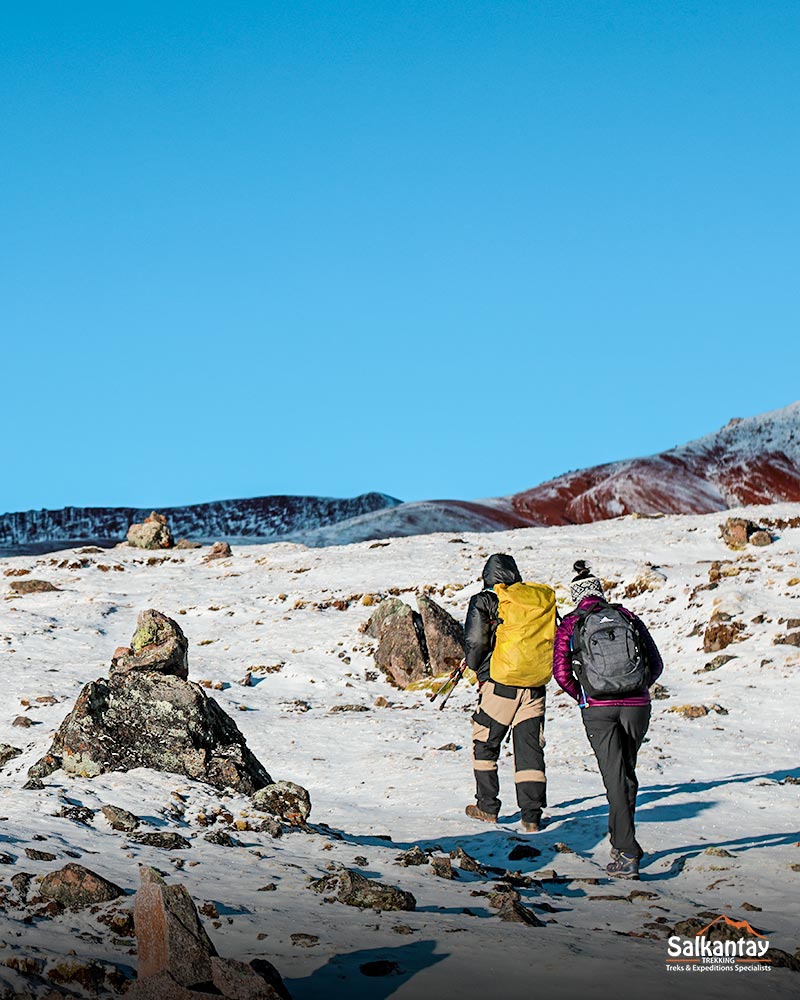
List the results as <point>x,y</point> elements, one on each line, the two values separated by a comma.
<point>449,685</point>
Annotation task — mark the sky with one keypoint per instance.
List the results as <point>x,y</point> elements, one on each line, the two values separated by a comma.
<point>435,249</point>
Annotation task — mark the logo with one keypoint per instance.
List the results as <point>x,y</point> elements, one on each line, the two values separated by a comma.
<point>723,945</point>
<point>605,618</point>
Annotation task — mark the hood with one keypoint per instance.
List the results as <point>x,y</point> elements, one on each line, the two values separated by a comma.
<point>500,568</point>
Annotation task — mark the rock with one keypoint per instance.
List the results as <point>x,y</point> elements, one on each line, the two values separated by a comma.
<point>153,533</point>
<point>444,636</point>
<point>76,887</point>
<point>442,866</point>
<point>523,852</point>
<point>120,819</point>
<point>285,799</point>
<point>562,848</point>
<point>158,646</point>
<point>384,611</point>
<point>401,652</point>
<point>221,838</point>
<point>354,889</point>
<point>449,746</point>
<point>721,634</point>
<point>413,856</point>
<point>7,753</point>
<point>35,855</point>
<point>219,550</point>
<point>170,936</point>
<point>22,883</point>
<point>188,543</point>
<point>91,976</point>
<point>22,587</point>
<point>510,908</point>
<point>659,692</point>
<point>304,940</point>
<point>465,861</point>
<point>23,722</point>
<point>78,814</point>
<point>760,537</point>
<point>271,976</point>
<point>162,986</point>
<point>138,719</point>
<point>790,639</point>
<point>349,708</point>
<point>718,852</point>
<point>689,711</point>
<point>165,840</point>
<point>717,662</point>
<point>240,981</point>
<point>736,532</point>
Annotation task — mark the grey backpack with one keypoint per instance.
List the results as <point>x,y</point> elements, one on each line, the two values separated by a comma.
<point>608,655</point>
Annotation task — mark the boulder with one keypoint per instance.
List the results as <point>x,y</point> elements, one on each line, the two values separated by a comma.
<point>401,652</point>
<point>736,532</point>
<point>120,819</point>
<point>219,550</point>
<point>138,719</point>
<point>384,611</point>
<point>169,933</point>
<point>158,646</point>
<point>153,533</point>
<point>285,799</point>
<point>188,543</point>
<point>444,636</point>
<point>241,981</point>
<point>178,961</point>
<point>354,889</point>
<point>76,887</point>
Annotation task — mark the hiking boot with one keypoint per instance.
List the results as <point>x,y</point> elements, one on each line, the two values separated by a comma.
<point>623,865</point>
<point>475,813</point>
<point>531,827</point>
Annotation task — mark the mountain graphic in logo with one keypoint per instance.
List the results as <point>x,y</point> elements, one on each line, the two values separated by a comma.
<point>738,925</point>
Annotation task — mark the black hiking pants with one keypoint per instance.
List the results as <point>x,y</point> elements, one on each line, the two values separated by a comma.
<point>501,708</point>
<point>616,733</point>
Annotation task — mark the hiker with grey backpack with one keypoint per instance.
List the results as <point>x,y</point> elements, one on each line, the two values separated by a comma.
<point>606,660</point>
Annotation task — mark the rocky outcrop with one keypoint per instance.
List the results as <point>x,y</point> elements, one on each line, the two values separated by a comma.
<point>146,714</point>
<point>176,958</point>
<point>158,646</point>
<point>153,533</point>
<point>444,636</point>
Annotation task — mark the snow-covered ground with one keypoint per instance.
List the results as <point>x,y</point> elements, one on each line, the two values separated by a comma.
<point>380,782</point>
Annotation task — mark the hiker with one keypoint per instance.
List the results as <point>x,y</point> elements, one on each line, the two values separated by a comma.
<point>509,641</point>
<point>606,660</point>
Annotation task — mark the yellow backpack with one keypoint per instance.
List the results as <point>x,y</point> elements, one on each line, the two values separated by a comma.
<point>523,647</point>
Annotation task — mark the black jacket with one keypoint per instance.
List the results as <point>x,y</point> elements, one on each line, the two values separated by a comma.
<point>481,623</point>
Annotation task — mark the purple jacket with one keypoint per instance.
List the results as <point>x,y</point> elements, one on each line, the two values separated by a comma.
<point>562,664</point>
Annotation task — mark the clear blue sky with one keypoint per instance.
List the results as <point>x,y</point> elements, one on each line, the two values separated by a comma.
<point>436,249</point>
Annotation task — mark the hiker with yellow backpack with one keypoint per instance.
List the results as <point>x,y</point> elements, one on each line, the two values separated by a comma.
<point>509,635</point>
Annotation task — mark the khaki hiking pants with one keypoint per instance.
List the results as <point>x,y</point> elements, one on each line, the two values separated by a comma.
<point>501,708</point>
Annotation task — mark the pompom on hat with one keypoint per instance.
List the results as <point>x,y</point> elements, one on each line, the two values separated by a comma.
<point>584,584</point>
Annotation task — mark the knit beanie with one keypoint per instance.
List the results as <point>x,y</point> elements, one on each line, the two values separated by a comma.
<point>584,584</point>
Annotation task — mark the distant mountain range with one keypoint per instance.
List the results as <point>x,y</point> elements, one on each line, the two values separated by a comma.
<point>266,518</point>
<point>750,461</point>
